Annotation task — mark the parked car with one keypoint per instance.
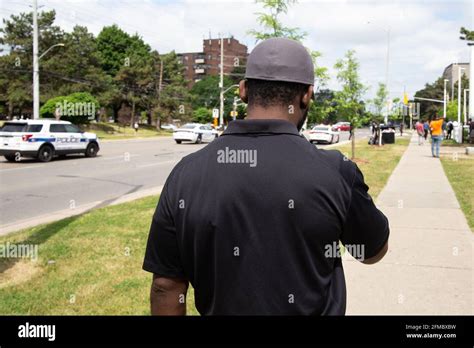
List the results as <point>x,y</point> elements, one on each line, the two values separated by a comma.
<point>342,127</point>
<point>195,133</point>
<point>323,134</point>
<point>44,139</point>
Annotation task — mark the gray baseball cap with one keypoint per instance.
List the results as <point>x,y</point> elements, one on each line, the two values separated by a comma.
<point>280,59</point>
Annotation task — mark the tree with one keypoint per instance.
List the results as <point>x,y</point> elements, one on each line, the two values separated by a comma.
<point>435,90</point>
<point>16,67</point>
<point>466,34</point>
<point>206,93</point>
<point>174,100</point>
<point>76,67</point>
<point>322,110</point>
<point>380,100</point>
<point>202,115</point>
<point>349,98</point>
<point>451,111</point>
<point>271,22</point>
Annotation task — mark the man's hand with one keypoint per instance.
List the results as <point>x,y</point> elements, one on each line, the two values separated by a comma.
<point>168,296</point>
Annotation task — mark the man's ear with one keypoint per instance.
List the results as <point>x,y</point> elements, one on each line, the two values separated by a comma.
<point>243,91</point>
<point>307,97</point>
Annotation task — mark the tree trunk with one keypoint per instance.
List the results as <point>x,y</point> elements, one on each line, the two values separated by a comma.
<point>149,116</point>
<point>115,113</point>
<point>132,118</point>
<point>10,110</point>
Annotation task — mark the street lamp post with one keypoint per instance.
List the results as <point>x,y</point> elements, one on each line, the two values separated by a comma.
<point>471,82</point>
<point>465,106</point>
<point>444,99</point>
<point>459,140</point>
<point>35,62</point>
<point>387,64</point>
<point>36,58</point>
<point>222,92</point>
<point>36,93</point>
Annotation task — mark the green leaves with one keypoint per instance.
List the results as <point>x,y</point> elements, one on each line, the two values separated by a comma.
<point>348,99</point>
<point>271,23</point>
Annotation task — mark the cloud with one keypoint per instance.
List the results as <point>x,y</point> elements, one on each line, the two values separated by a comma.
<point>424,35</point>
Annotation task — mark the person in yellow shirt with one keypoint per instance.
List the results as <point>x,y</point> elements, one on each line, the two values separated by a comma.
<point>436,127</point>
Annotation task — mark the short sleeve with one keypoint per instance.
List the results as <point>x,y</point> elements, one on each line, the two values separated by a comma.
<point>162,255</point>
<point>366,228</point>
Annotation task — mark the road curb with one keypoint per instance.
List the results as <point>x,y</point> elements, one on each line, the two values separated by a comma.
<point>62,214</point>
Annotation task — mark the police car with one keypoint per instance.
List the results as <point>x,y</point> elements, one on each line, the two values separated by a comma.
<point>43,139</point>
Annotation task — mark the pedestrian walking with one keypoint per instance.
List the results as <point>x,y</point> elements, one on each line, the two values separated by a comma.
<point>449,129</point>
<point>401,129</point>
<point>426,128</point>
<point>135,126</point>
<point>436,127</point>
<point>471,131</point>
<point>420,131</point>
<point>250,246</point>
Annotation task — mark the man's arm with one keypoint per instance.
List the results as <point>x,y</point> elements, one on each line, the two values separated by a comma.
<point>168,296</point>
<point>365,225</point>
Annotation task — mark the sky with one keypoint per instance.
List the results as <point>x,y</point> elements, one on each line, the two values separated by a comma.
<point>424,35</point>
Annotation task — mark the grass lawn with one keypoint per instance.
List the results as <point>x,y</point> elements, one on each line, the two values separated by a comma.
<point>114,131</point>
<point>460,173</point>
<point>91,264</point>
<point>376,163</point>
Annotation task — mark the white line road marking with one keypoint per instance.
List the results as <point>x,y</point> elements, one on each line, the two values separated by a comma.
<point>18,168</point>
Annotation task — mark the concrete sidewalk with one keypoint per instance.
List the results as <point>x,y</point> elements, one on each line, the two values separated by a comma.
<point>429,266</point>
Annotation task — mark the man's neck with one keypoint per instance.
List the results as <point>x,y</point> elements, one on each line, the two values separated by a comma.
<point>275,113</point>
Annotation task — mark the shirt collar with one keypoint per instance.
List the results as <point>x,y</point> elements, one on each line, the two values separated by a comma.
<point>261,126</point>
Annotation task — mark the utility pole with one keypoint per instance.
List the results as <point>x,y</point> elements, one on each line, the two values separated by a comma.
<point>221,84</point>
<point>160,85</point>
<point>35,62</point>
<point>386,75</point>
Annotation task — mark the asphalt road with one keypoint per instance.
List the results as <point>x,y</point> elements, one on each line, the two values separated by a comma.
<point>31,189</point>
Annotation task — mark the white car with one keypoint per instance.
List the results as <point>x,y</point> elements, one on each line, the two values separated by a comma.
<point>43,139</point>
<point>323,134</point>
<point>171,127</point>
<point>195,133</point>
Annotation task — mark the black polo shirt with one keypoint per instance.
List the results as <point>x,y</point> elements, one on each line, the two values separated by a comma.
<point>254,220</point>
